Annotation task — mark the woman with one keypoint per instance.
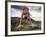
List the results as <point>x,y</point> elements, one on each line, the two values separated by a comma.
<point>25,21</point>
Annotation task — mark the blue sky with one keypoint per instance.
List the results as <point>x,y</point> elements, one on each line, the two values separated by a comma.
<point>16,11</point>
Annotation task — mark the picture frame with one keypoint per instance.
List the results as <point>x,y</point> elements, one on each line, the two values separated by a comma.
<point>10,6</point>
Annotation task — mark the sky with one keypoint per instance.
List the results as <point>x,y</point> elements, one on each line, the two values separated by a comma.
<point>35,11</point>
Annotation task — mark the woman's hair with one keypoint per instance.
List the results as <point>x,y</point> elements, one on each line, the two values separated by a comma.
<point>25,7</point>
